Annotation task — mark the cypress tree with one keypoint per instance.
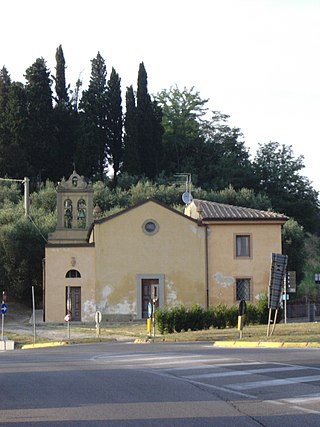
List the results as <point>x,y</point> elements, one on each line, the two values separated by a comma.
<point>65,121</point>
<point>5,82</point>
<point>158,132</point>
<point>149,129</point>
<point>92,151</point>
<point>62,97</point>
<point>40,123</point>
<point>114,123</point>
<point>14,135</point>
<point>131,161</point>
<point>144,124</point>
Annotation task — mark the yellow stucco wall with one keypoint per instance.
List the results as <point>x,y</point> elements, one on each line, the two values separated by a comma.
<point>59,260</point>
<point>225,268</point>
<point>176,251</point>
<point>122,254</point>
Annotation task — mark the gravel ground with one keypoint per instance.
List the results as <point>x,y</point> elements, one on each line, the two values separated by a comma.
<point>20,321</point>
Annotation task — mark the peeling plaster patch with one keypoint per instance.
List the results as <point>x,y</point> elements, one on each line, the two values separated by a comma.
<point>171,294</point>
<point>106,291</point>
<point>89,309</point>
<point>196,230</point>
<point>124,307</point>
<point>223,281</point>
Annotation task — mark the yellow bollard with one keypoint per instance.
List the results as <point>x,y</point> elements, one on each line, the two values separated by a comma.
<point>149,325</point>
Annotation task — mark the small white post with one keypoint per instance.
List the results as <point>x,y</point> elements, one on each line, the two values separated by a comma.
<point>33,316</point>
<point>26,197</point>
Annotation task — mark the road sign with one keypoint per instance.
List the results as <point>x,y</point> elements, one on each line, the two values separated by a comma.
<point>4,308</point>
<point>67,317</point>
<point>149,309</point>
<point>98,317</point>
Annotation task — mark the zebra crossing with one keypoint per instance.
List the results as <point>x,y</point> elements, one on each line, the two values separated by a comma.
<point>290,384</point>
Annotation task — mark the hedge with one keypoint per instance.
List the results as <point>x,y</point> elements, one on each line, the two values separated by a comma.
<point>197,318</point>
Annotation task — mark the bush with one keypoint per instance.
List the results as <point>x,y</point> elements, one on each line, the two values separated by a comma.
<point>252,315</point>
<point>160,320</point>
<point>263,311</point>
<point>169,320</point>
<point>179,316</point>
<point>231,315</point>
<point>195,318</point>
<point>208,318</point>
<point>220,320</point>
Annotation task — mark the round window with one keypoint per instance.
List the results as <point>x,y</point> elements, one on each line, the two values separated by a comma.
<point>150,226</point>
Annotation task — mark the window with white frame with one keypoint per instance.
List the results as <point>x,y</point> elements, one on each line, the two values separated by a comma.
<point>243,246</point>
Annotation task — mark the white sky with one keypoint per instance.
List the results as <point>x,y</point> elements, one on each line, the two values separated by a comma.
<point>256,60</point>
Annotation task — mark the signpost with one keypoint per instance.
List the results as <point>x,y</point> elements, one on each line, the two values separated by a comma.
<point>154,296</point>
<point>5,344</point>
<point>242,312</point>
<point>4,310</point>
<point>68,316</point>
<point>98,319</point>
<point>276,285</point>
<point>149,318</point>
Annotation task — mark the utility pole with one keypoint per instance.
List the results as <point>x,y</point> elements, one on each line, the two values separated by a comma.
<point>26,197</point>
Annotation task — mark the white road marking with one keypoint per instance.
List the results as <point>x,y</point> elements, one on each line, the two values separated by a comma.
<point>243,373</point>
<point>271,383</point>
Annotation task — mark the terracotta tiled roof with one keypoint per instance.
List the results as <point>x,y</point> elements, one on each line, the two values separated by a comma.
<point>218,211</point>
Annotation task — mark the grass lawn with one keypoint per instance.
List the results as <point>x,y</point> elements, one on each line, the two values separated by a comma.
<point>290,332</point>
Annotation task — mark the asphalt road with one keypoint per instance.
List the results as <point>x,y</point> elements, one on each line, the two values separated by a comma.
<point>164,384</point>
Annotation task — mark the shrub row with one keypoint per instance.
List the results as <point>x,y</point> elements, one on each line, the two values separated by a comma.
<point>196,318</point>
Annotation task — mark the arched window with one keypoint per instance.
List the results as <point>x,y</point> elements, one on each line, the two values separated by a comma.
<point>81,213</point>
<point>68,213</point>
<point>73,274</point>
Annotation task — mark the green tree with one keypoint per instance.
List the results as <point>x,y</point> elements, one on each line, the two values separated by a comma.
<point>65,122</point>
<point>62,96</point>
<point>131,160</point>
<point>225,158</point>
<point>308,290</point>
<point>5,82</point>
<point>114,124</point>
<point>148,125</point>
<point>92,152</point>
<point>13,128</point>
<point>209,149</point>
<point>23,251</point>
<point>157,136</point>
<point>293,238</point>
<point>22,241</point>
<point>277,172</point>
<point>182,140</point>
<point>41,152</point>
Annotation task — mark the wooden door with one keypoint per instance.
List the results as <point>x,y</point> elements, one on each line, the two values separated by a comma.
<point>148,287</point>
<point>74,303</point>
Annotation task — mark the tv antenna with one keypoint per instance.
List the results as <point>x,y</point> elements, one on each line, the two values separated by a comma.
<point>185,177</point>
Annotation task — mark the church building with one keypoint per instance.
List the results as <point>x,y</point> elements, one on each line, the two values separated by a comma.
<point>211,254</point>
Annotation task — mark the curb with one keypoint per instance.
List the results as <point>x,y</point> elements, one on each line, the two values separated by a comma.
<point>263,344</point>
<point>42,345</point>
<point>141,341</point>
